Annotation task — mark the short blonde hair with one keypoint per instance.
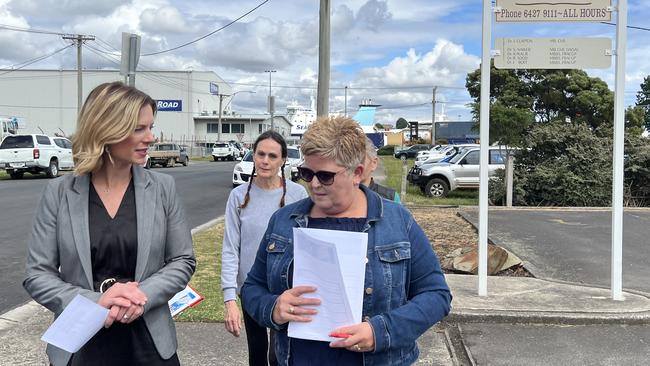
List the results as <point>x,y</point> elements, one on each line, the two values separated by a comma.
<point>337,138</point>
<point>109,115</point>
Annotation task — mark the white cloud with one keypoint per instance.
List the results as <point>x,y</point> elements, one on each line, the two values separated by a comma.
<point>164,20</point>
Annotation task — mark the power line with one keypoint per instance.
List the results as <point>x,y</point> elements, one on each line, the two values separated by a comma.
<point>209,34</point>
<point>629,26</point>
<point>34,60</point>
<point>29,30</point>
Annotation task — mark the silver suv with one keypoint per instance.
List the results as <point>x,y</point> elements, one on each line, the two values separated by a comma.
<point>462,171</point>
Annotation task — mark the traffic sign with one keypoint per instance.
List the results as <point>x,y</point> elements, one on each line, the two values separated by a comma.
<point>553,11</point>
<point>553,53</point>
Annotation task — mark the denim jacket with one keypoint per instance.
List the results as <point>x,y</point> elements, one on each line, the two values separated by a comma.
<point>405,290</point>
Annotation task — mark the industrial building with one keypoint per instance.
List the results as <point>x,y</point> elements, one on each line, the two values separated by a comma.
<point>45,101</point>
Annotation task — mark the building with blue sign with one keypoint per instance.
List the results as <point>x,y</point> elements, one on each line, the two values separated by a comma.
<point>46,100</point>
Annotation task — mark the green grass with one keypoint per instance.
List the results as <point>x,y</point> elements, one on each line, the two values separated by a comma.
<point>201,158</point>
<point>393,172</point>
<point>207,277</point>
<point>3,175</point>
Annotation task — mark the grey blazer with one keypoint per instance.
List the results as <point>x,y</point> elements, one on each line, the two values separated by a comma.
<point>59,266</point>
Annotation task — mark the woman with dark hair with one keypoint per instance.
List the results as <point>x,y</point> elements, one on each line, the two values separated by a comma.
<point>248,211</point>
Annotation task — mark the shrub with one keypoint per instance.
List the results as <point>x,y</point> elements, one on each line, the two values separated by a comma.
<point>386,150</point>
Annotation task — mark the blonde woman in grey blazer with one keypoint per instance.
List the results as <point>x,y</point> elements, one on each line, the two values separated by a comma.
<point>114,233</point>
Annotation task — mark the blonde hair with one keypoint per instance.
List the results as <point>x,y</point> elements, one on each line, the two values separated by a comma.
<point>109,115</point>
<point>337,138</point>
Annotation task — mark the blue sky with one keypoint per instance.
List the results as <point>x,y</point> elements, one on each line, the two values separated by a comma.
<point>392,51</point>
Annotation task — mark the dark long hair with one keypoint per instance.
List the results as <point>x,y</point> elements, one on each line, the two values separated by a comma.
<point>270,134</point>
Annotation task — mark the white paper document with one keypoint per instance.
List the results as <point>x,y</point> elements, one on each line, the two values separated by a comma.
<point>335,263</point>
<point>78,322</point>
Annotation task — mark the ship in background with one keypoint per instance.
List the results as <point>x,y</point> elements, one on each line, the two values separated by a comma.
<point>301,117</point>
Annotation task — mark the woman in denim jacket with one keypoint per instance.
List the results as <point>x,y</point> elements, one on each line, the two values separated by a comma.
<point>405,292</point>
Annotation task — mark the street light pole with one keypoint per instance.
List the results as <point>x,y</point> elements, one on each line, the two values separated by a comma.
<point>229,101</point>
<point>271,101</point>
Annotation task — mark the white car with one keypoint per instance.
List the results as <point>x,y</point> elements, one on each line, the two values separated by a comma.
<point>242,170</point>
<point>294,160</point>
<point>441,154</point>
<point>35,154</point>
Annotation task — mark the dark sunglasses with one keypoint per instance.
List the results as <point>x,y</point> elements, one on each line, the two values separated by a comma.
<point>324,177</point>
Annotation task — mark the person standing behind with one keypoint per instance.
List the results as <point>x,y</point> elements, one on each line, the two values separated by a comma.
<point>370,165</point>
<point>248,211</point>
<point>114,233</point>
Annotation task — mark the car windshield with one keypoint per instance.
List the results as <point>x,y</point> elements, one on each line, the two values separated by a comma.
<point>459,153</point>
<point>220,145</point>
<point>248,156</point>
<point>17,142</point>
<point>293,153</point>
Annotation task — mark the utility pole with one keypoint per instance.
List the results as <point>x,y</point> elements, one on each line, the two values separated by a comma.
<point>271,100</point>
<point>322,103</point>
<point>78,39</point>
<point>346,101</point>
<point>219,123</point>
<point>433,116</point>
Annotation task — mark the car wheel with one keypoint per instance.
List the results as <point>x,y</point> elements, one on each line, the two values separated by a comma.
<point>186,161</point>
<point>147,165</point>
<point>215,158</point>
<point>16,175</point>
<point>402,157</point>
<point>436,187</point>
<point>52,169</point>
<point>172,162</point>
<point>163,164</point>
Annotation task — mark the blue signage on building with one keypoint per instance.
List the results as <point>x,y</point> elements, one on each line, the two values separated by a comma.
<point>169,105</point>
<point>214,88</point>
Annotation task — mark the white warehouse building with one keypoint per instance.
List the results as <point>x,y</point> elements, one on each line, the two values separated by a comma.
<point>45,101</point>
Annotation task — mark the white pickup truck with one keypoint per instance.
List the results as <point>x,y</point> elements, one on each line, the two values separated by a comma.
<point>35,154</point>
<point>225,150</point>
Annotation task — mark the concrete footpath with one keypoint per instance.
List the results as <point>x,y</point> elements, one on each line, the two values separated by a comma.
<point>511,300</point>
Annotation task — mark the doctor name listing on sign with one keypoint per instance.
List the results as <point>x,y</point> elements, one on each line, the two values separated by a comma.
<point>169,105</point>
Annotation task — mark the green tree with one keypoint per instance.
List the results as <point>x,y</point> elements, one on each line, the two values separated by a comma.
<point>401,123</point>
<point>379,126</point>
<point>518,98</point>
<point>643,100</point>
<point>635,120</point>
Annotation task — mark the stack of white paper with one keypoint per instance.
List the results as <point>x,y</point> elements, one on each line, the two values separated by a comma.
<point>335,263</point>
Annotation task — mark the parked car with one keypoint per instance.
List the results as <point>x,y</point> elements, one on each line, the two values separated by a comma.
<point>35,154</point>
<point>294,159</point>
<point>167,154</point>
<point>242,170</point>
<point>224,150</point>
<point>443,153</point>
<point>462,171</point>
<point>411,152</point>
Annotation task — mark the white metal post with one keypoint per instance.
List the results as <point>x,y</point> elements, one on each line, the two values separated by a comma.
<point>485,142</point>
<point>619,150</point>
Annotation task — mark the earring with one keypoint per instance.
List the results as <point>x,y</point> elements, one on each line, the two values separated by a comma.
<point>107,150</point>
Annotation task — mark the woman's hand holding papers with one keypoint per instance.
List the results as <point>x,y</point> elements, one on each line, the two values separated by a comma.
<point>290,306</point>
<point>358,338</point>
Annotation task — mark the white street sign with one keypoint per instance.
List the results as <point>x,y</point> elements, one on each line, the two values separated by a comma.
<point>553,11</point>
<point>553,53</point>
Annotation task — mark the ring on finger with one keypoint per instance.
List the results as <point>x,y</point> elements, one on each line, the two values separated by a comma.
<point>291,309</point>
<point>357,348</point>
<point>126,316</point>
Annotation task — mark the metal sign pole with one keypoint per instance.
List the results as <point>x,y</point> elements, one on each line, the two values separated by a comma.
<point>619,147</point>
<point>485,142</point>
